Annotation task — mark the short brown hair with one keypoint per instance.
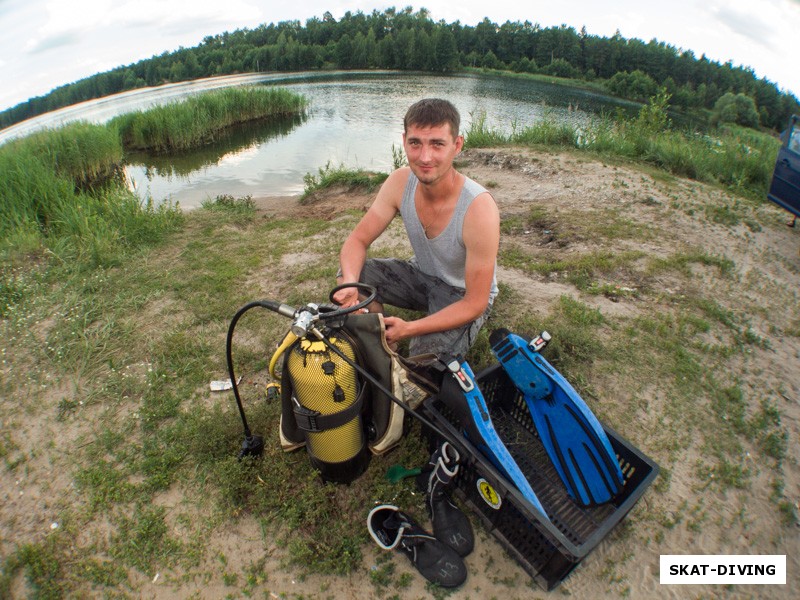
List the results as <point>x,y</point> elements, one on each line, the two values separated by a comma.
<point>431,112</point>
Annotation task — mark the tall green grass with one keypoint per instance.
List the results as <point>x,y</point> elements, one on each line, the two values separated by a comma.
<point>739,159</point>
<point>57,193</point>
<point>81,151</point>
<point>198,119</point>
<point>39,172</point>
<point>547,132</point>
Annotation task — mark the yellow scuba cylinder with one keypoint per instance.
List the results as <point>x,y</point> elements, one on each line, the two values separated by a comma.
<point>327,401</point>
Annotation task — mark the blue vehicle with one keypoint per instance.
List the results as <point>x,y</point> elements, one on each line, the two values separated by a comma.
<point>785,187</point>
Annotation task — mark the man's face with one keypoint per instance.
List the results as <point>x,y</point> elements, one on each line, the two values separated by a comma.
<point>431,151</point>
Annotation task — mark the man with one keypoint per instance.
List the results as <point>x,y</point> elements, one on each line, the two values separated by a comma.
<point>453,225</point>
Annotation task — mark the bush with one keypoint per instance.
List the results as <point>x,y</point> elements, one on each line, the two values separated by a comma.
<point>637,86</point>
<point>652,117</point>
<point>561,68</point>
<point>525,65</point>
<point>490,61</point>
<point>739,109</point>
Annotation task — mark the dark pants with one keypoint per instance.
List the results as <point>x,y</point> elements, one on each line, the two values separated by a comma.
<point>400,283</point>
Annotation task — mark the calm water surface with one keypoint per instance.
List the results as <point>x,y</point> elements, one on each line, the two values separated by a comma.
<point>354,119</point>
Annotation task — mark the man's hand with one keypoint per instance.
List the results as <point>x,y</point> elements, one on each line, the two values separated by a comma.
<point>346,297</point>
<point>396,329</point>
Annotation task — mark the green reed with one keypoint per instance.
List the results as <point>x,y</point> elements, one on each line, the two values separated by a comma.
<point>198,119</point>
<point>40,172</point>
<point>60,190</point>
<point>81,151</point>
<point>330,176</point>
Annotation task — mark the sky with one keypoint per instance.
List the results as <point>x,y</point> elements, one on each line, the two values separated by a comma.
<point>49,43</point>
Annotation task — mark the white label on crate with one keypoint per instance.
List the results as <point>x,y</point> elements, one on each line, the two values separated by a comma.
<point>488,494</point>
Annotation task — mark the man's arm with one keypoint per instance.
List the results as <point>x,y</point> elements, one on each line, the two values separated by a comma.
<point>481,234</point>
<point>354,250</point>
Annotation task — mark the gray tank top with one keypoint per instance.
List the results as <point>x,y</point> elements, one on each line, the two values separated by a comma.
<point>445,255</point>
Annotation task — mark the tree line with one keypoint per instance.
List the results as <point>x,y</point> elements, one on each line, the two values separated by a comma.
<point>408,40</point>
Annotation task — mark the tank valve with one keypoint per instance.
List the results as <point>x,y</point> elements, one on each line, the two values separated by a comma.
<point>304,320</point>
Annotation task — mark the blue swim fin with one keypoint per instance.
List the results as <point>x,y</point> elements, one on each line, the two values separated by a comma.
<point>570,433</point>
<point>477,424</point>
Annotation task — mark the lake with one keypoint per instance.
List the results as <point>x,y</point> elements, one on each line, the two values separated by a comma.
<point>354,119</point>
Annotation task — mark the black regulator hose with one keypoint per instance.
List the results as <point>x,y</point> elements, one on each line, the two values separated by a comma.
<point>253,445</point>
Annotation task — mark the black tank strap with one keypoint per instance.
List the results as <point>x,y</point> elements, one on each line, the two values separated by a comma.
<point>314,421</point>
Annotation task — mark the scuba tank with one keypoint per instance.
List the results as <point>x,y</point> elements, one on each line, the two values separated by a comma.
<point>339,387</point>
<point>326,400</point>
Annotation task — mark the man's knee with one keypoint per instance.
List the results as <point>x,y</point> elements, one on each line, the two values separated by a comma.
<point>375,307</point>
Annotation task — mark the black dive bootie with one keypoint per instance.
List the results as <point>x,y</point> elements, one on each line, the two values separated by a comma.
<point>392,529</point>
<point>450,525</point>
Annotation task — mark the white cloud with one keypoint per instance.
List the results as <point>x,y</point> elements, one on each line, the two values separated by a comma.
<point>73,22</point>
<point>53,42</point>
<point>66,24</point>
<point>744,20</point>
<point>185,14</point>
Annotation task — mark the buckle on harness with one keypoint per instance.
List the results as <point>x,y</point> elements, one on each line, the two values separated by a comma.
<point>314,421</point>
<point>306,418</point>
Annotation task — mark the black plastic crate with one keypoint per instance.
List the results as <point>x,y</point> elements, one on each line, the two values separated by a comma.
<point>548,550</point>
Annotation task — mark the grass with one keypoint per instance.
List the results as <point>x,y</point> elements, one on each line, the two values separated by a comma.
<point>341,176</point>
<point>56,197</point>
<point>112,348</point>
<point>148,334</point>
<point>81,152</point>
<point>158,373</point>
<point>581,271</point>
<point>62,191</point>
<point>739,159</point>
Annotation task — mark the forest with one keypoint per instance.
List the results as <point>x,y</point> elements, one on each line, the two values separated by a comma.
<point>408,40</point>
